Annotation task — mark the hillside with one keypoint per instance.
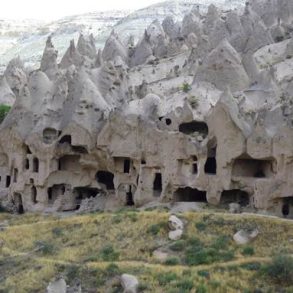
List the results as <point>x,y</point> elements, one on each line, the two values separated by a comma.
<point>26,38</point>
<point>98,247</point>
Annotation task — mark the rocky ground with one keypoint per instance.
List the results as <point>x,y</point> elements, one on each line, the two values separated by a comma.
<point>93,252</point>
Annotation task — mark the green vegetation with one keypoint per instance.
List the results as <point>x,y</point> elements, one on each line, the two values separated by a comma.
<point>172,261</point>
<point>280,269</point>
<point>186,87</point>
<point>4,109</point>
<point>98,247</point>
<point>108,253</point>
<point>248,250</point>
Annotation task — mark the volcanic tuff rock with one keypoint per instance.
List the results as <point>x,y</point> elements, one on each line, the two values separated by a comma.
<point>195,111</point>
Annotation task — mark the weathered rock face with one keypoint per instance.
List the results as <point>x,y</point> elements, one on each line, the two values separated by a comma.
<point>194,112</point>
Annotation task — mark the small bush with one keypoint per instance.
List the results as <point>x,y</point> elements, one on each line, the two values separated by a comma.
<point>166,278</point>
<point>112,270</point>
<point>186,87</point>
<point>280,269</point>
<point>117,219</point>
<point>184,285</point>
<point>4,109</point>
<point>253,266</point>
<point>72,272</point>
<point>155,228</point>
<point>178,245</point>
<point>201,288</point>
<point>204,274</point>
<point>200,226</point>
<point>45,247</point>
<point>109,254</point>
<point>57,231</point>
<point>133,217</point>
<point>221,242</point>
<point>248,250</point>
<point>172,261</point>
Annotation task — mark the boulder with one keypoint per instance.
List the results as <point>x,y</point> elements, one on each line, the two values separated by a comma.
<point>243,237</point>
<point>175,235</point>
<point>129,283</point>
<point>175,223</point>
<point>160,255</point>
<point>58,286</point>
<point>234,208</point>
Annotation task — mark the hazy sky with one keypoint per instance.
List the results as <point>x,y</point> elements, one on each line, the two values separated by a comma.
<point>53,9</point>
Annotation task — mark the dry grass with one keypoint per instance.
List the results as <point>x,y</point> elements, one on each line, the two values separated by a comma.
<point>37,248</point>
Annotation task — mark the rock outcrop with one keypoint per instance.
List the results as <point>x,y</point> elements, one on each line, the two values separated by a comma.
<point>198,111</point>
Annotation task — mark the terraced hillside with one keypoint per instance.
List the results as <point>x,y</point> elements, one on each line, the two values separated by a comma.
<point>96,248</point>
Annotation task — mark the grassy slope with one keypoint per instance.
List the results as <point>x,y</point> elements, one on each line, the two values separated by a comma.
<point>37,248</point>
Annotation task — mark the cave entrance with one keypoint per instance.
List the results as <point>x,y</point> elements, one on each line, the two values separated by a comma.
<point>55,191</point>
<point>50,135</point>
<point>157,185</point>
<point>106,178</point>
<point>69,163</point>
<point>248,167</point>
<point>235,195</point>
<point>287,207</point>
<point>8,181</point>
<point>36,165</point>
<point>79,149</point>
<point>189,194</point>
<point>26,164</point>
<point>65,139</point>
<point>129,197</point>
<point>194,126</point>
<point>18,203</point>
<point>34,195</point>
<point>82,193</point>
<point>210,166</point>
<point>126,166</point>
<point>15,175</point>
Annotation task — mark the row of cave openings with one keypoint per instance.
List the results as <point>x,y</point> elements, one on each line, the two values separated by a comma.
<point>185,194</point>
<point>26,166</point>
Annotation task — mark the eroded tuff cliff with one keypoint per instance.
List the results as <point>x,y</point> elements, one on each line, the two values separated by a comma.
<point>195,111</point>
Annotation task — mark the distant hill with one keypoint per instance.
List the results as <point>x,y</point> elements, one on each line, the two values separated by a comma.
<point>27,38</point>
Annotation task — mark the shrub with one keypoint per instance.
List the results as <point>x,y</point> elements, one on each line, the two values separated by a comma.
<point>280,269</point>
<point>201,288</point>
<point>133,217</point>
<point>252,266</point>
<point>155,228</point>
<point>112,270</point>
<point>184,285</point>
<point>204,274</point>
<point>57,231</point>
<point>186,87</point>
<point>178,245</point>
<point>109,254</point>
<point>165,278</point>
<point>72,272</point>
<point>4,109</point>
<point>248,250</point>
<point>221,242</point>
<point>200,226</point>
<point>45,247</point>
<point>172,261</point>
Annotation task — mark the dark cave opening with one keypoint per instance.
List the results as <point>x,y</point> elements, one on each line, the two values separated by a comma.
<point>188,194</point>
